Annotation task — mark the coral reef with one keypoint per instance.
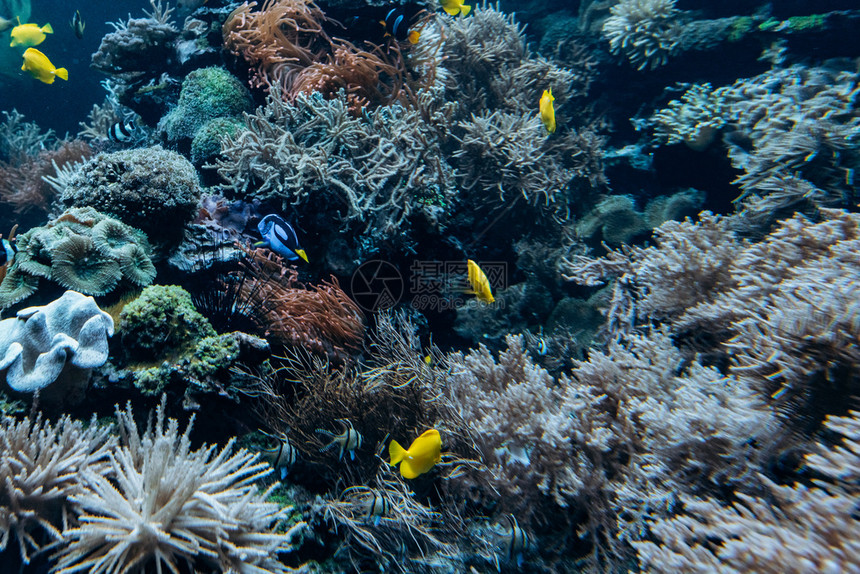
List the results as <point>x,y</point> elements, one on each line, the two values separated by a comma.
<point>138,47</point>
<point>161,504</point>
<point>153,189</point>
<point>207,94</point>
<point>315,151</point>
<point>645,31</point>
<point>83,250</point>
<point>56,345</point>
<point>266,294</point>
<point>798,528</point>
<point>40,464</point>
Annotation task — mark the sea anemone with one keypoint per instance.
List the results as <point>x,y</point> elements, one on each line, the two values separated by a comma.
<point>79,265</point>
<point>164,505</point>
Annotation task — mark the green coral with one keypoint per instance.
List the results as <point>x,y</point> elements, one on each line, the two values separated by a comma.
<point>83,250</point>
<point>741,26</point>
<point>207,142</point>
<point>207,93</point>
<point>162,323</point>
<point>808,23</point>
<point>211,354</point>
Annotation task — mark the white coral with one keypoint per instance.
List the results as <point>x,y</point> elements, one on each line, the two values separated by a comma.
<point>164,504</point>
<point>645,31</point>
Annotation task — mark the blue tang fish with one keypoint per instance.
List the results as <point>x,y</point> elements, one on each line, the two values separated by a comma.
<point>280,237</point>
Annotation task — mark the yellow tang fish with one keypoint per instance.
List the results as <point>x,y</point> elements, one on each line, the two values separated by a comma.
<point>41,68</point>
<point>29,34</point>
<point>454,7</point>
<point>479,282</point>
<point>547,112</point>
<point>422,455</point>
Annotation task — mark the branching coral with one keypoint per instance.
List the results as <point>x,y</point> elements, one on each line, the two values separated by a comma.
<point>645,31</point>
<point>782,312</point>
<point>40,464</point>
<point>795,529</point>
<point>618,439</point>
<point>694,119</point>
<point>371,170</point>
<point>164,505</point>
<point>138,47</point>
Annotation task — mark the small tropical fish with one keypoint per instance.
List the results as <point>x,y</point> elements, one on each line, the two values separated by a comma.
<point>422,455</point>
<point>348,441</point>
<point>516,543</point>
<point>547,111</point>
<point>280,237</point>
<point>122,131</point>
<point>283,456</point>
<point>397,26</point>
<point>41,68</point>
<point>9,249</point>
<point>376,506</point>
<point>6,24</point>
<point>479,283</point>
<point>77,24</point>
<point>29,35</point>
<point>454,7</point>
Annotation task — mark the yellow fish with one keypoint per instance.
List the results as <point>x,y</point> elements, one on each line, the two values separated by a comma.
<point>547,112</point>
<point>479,282</point>
<point>29,34</point>
<point>454,7</point>
<point>422,455</point>
<point>41,68</point>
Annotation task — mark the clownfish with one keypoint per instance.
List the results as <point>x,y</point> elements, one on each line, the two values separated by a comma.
<point>280,237</point>
<point>41,68</point>
<point>397,26</point>
<point>547,111</point>
<point>29,35</point>
<point>422,455</point>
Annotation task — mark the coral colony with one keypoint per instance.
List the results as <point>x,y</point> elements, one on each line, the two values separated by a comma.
<point>430,286</point>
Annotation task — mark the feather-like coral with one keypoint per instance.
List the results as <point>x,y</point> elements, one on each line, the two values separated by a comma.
<point>645,31</point>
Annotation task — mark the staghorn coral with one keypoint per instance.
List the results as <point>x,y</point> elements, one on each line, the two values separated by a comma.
<point>370,170</point>
<point>40,464</point>
<point>163,505</point>
<point>796,529</point>
<point>645,31</point>
<point>153,189</point>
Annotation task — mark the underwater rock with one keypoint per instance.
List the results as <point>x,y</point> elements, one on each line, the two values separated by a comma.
<point>82,250</point>
<point>153,189</point>
<point>61,342</point>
